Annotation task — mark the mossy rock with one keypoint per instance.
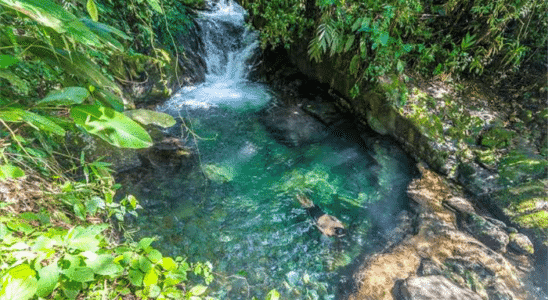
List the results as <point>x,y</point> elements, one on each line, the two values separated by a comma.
<point>218,174</point>
<point>521,244</point>
<point>497,137</point>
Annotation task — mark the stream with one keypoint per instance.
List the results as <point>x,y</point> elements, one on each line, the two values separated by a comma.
<point>237,208</point>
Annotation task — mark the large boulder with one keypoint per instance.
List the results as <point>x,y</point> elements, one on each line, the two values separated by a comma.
<point>489,233</point>
<point>434,287</point>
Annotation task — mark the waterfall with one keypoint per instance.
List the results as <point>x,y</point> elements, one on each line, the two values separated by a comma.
<point>229,48</point>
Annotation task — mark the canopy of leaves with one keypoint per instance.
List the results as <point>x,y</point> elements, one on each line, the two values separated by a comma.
<point>442,37</point>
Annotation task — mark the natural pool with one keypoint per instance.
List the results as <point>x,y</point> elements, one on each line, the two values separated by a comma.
<point>238,210</point>
<point>235,205</point>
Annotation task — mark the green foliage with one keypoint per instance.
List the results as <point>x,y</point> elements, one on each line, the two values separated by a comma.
<point>441,39</point>
<point>47,262</point>
<point>282,22</point>
<point>10,171</point>
<point>111,126</point>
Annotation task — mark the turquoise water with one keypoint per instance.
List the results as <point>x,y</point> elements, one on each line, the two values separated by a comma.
<point>235,204</point>
<point>237,207</point>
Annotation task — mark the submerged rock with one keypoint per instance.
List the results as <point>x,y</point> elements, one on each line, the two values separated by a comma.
<point>434,287</point>
<point>292,126</point>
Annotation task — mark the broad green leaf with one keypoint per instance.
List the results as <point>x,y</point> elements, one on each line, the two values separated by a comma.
<point>71,289</point>
<point>349,42</point>
<point>104,265</point>
<point>7,60</point>
<point>198,290</point>
<point>155,5</point>
<point>273,295</point>
<point>84,239</point>
<point>79,274</point>
<point>10,171</point>
<point>50,14</point>
<point>168,264</point>
<point>147,117</point>
<point>111,126</point>
<point>19,283</point>
<point>144,243</point>
<point>48,278</point>
<point>172,279</point>
<point>92,10</point>
<point>145,264</point>
<point>18,83</point>
<point>37,121</point>
<point>155,256</point>
<point>136,277</point>
<point>151,277</point>
<point>154,291</point>
<point>66,96</point>
<point>384,38</point>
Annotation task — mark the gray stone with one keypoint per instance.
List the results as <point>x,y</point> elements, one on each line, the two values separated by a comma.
<point>428,267</point>
<point>434,287</point>
<point>521,244</point>
<point>488,233</point>
<point>460,204</point>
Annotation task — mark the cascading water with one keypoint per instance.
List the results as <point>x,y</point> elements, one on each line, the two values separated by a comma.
<point>229,46</point>
<point>244,218</point>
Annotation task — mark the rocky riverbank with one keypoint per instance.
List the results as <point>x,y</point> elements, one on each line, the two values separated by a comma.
<point>490,154</point>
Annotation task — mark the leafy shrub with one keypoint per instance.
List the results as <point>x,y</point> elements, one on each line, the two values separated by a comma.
<point>56,263</point>
<point>436,38</point>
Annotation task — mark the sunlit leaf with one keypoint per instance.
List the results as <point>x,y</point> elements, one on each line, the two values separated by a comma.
<point>10,172</point>
<point>151,277</point>
<point>19,283</point>
<point>66,96</point>
<point>273,295</point>
<point>48,278</point>
<point>147,117</point>
<point>198,290</point>
<point>92,10</point>
<point>111,126</point>
<point>155,5</point>
<point>104,265</point>
<point>168,264</point>
<point>37,121</point>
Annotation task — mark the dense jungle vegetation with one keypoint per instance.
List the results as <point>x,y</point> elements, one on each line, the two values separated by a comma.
<point>64,69</point>
<point>435,38</point>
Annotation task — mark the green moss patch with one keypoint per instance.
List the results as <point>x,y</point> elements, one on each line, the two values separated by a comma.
<point>538,219</point>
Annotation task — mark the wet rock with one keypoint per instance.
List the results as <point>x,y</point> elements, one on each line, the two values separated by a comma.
<point>432,288</point>
<point>324,111</point>
<point>521,244</point>
<point>292,126</point>
<point>488,233</point>
<point>166,154</point>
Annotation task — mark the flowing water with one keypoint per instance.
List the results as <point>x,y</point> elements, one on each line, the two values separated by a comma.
<point>238,209</point>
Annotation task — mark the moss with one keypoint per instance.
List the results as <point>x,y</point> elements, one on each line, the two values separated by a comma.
<point>538,219</point>
<point>487,157</point>
<point>497,137</point>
